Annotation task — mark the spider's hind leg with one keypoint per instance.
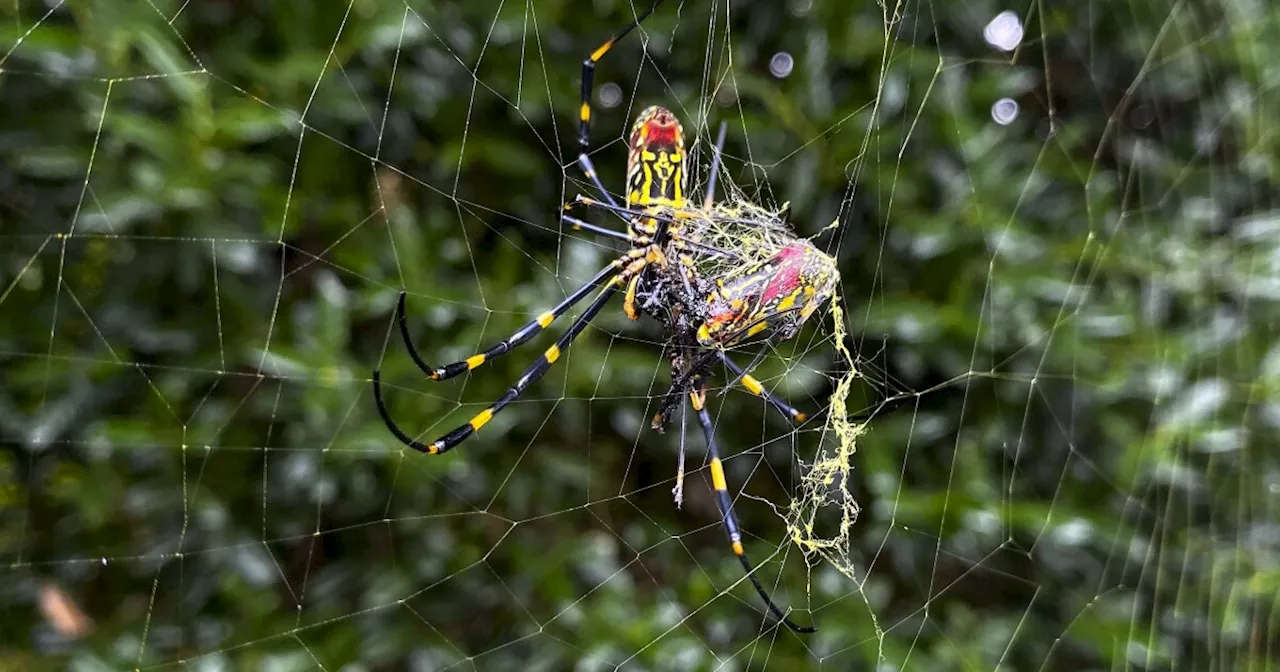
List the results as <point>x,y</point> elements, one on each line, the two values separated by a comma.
<point>755,387</point>
<point>698,398</point>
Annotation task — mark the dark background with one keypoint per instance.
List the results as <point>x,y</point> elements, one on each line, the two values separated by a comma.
<point>208,209</point>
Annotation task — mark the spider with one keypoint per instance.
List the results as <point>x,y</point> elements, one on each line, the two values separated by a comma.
<point>715,276</point>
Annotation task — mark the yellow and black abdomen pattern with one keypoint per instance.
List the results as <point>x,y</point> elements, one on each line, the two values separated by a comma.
<point>656,160</point>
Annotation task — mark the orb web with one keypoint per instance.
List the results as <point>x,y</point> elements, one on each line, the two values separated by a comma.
<point>1040,406</point>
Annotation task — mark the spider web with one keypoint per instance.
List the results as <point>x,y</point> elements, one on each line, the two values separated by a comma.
<point>1049,383</point>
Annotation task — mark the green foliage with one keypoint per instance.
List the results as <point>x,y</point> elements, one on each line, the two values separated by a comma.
<point>207,210</point>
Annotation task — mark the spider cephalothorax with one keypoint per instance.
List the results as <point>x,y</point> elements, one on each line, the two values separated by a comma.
<point>714,276</point>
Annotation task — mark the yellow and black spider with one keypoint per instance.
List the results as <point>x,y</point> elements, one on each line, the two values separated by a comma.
<point>714,275</point>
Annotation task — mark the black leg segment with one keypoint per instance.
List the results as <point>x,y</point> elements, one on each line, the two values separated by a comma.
<point>521,335</point>
<point>755,387</point>
<point>589,73</point>
<point>532,374</point>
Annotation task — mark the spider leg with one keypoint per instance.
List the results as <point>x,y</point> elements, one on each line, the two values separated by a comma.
<point>532,374</point>
<point>592,228</point>
<point>589,73</point>
<point>751,366</point>
<point>521,335</point>
<point>715,168</point>
<point>589,169</point>
<point>681,213</point>
<point>699,399</point>
<point>886,404</point>
<point>624,211</point>
<point>629,300</point>
<point>755,387</point>
<point>642,214</point>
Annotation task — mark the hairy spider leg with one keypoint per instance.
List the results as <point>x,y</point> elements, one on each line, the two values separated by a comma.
<point>755,387</point>
<point>532,374</point>
<point>588,78</point>
<point>699,400</point>
<point>755,361</point>
<point>521,335</point>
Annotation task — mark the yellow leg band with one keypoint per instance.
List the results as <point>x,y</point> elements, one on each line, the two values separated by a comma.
<point>698,400</point>
<point>717,475</point>
<point>629,303</point>
<point>604,49</point>
<point>482,419</point>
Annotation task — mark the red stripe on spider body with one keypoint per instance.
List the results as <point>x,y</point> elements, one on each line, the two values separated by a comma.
<point>778,294</point>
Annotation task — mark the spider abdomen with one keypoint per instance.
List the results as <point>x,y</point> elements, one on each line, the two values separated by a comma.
<point>777,295</point>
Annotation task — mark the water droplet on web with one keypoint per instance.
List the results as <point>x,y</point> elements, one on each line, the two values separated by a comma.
<point>781,64</point>
<point>1004,32</point>
<point>610,95</point>
<point>1004,111</point>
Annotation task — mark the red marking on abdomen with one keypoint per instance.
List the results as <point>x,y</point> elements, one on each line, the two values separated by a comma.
<point>660,134</point>
<point>790,261</point>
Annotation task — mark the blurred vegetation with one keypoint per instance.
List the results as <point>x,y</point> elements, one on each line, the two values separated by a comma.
<point>207,210</point>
